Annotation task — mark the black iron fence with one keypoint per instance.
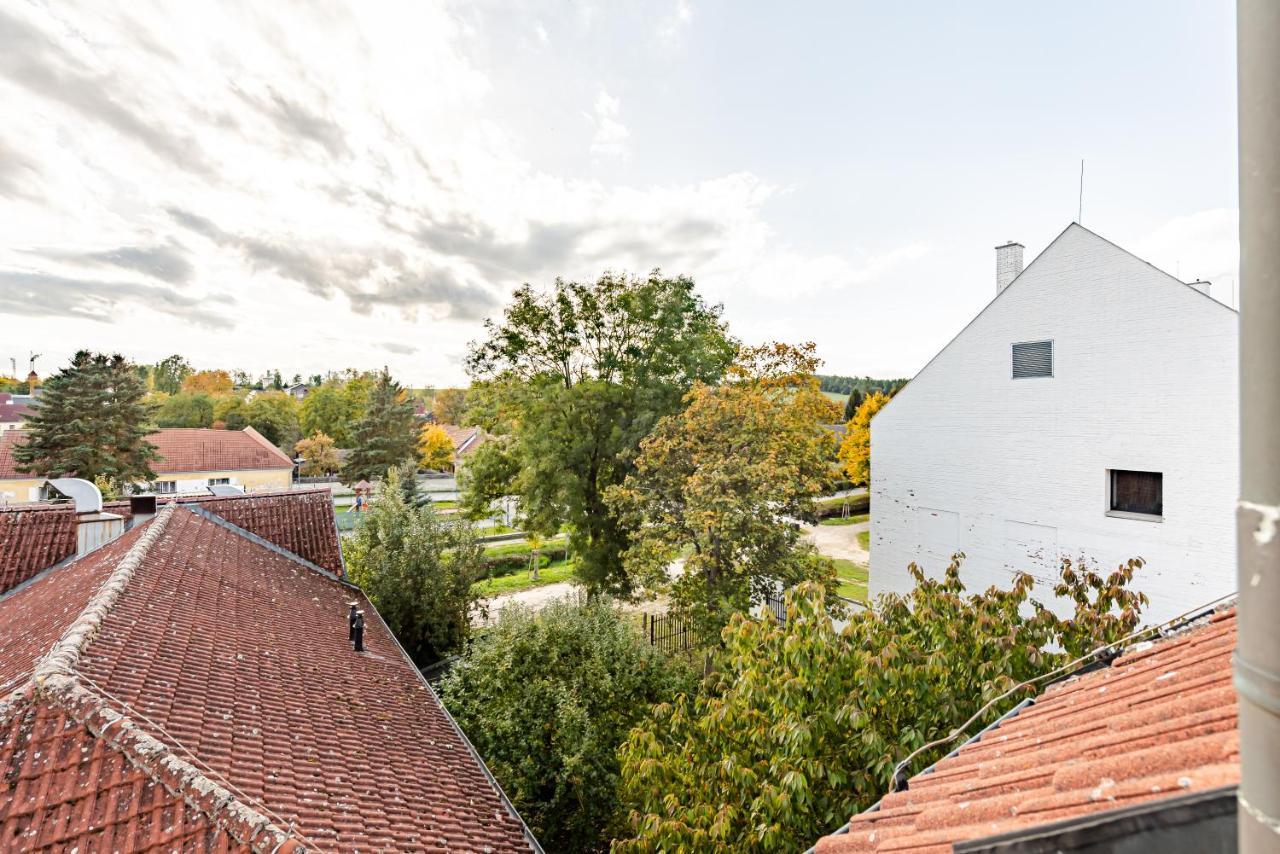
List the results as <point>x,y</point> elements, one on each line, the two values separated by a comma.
<point>667,632</point>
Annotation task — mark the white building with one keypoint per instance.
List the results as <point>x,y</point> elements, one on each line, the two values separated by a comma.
<point>1089,410</point>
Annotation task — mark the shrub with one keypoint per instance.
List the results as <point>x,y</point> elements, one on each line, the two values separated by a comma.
<point>547,698</point>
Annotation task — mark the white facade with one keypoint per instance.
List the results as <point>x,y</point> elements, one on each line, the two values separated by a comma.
<point>1014,472</point>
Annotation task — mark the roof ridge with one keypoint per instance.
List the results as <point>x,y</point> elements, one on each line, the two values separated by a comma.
<point>56,680</point>
<point>195,508</point>
<point>266,443</point>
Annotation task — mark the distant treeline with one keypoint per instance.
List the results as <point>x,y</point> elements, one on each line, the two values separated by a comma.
<point>846,385</point>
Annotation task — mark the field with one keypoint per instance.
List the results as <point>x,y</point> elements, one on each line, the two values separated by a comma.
<point>853,579</point>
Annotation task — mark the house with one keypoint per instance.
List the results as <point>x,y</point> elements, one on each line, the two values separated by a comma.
<point>191,685</point>
<point>15,409</point>
<point>466,441</point>
<point>191,460</point>
<point>297,391</point>
<point>1141,755</point>
<point>1090,410</point>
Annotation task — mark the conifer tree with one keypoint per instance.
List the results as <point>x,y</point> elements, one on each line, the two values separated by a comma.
<point>386,435</point>
<point>91,421</point>
<point>851,405</point>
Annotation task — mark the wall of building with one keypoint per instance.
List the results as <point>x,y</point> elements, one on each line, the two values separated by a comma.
<point>252,481</point>
<point>18,491</point>
<point>1014,472</point>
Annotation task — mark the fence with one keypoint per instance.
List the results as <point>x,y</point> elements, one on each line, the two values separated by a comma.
<point>667,632</point>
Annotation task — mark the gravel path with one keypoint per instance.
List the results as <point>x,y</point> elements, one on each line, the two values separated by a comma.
<point>534,598</point>
<point>839,541</point>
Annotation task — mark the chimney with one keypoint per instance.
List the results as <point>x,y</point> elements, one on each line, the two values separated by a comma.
<point>94,528</point>
<point>1202,286</point>
<point>1008,264</point>
<point>141,508</point>
<point>357,632</point>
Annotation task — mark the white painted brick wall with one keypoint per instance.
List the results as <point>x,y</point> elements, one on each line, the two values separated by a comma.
<point>1013,472</point>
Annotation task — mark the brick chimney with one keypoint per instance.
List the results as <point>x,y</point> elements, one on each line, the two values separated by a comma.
<point>1008,264</point>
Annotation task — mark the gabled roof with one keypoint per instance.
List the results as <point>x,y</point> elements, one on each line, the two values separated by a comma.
<point>181,450</point>
<point>1156,724</point>
<point>188,687</point>
<point>465,439</point>
<point>34,537</point>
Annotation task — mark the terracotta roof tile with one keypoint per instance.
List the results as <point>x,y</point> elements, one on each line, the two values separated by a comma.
<point>230,666</point>
<point>33,537</point>
<point>1160,721</point>
<point>13,411</point>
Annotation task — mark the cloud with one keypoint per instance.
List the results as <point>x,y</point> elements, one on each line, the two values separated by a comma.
<point>540,30</point>
<point>167,263</point>
<point>398,349</point>
<point>1203,245</point>
<point>297,121</point>
<point>672,25</point>
<point>611,134</point>
<point>18,173</point>
<point>31,60</point>
<point>46,295</point>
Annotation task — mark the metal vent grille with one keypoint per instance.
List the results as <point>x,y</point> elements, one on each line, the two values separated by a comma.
<point>1033,359</point>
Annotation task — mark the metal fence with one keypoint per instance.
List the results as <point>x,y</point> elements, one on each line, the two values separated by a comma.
<point>667,632</point>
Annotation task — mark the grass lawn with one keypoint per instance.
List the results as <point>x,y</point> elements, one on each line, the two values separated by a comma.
<point>444,505</point>
<point>559,571</point>
<point>853,578</point>
<point>847,520</point>
<point>864,539</point>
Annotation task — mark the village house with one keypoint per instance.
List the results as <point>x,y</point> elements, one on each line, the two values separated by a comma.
<point>1089,411</point>
<point>201,677</point>
<point>15,409</point>
<point>466,441</point>
<point>191,460</point>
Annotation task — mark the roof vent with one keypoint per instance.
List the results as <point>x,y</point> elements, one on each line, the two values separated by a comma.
<point>94,528</point>
<point>356,620</point>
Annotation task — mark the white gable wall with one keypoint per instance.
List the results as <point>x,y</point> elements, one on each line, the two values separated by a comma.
<point>1013,472</point>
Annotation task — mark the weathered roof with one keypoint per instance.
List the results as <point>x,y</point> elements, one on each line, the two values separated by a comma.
<point>465,439</point>
<point>182,449</point>
<point>36,536</point>
<point>1159,722</point>
<point>189,687</point>
<point>13,409</point>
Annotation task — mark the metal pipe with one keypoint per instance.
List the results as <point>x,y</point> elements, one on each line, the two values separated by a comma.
<point>1257,656</point>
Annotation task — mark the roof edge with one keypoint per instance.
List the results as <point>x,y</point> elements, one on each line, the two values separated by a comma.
<point>270,446</point>
<point>194,507</point>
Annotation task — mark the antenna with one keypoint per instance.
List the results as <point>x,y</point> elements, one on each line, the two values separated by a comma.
<point>1080,202</point>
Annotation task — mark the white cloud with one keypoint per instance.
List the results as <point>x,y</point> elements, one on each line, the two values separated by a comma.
<point>673,25</point>
<point>1203,245</point>
<point>540,30</point>
<point>611,134</point>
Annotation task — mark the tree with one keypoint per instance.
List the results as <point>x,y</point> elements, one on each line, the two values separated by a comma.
<point>185,409</point>
<point>583,373</point>
<point>213,383</point>
<point>274,414</point>
<point>724,481</point>
<point>547,698</point>
<point>91,421</point>
<point>807,723</point>
<point>385,436</point>
<point>851,405</point>
<point>417,570</point>
<point>855,449</point>
<point>230,413</point>
<point>318,454</point>
<point>449,405</point>
<point>168,374</point>
<point>328,409</point>
<point>435,449</point>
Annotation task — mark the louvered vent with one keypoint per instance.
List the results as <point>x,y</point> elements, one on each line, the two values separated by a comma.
<point>1033,359</point>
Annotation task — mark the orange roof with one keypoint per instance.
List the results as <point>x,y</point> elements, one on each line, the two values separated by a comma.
<point>182,449</point>
<point>1159,722</point>
<point>465,439</point>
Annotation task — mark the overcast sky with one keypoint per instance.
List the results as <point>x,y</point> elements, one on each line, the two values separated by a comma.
<point>320,186</point>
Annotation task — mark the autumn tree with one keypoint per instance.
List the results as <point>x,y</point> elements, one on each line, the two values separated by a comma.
<point>806,722</point>
<point>185,409</point>
<point>449,405</point>
<point>213,383</point>
<point>387,434</point>
<point>230,413</point>
<point>724,481</point>
<point>318,454</point>
<point>92,421</point>
<point>435,449</point>
<point>855,449</point>
<point>417,569</point>
<point>334,407</point>
<point>580,375</point>
<point>167,375</point>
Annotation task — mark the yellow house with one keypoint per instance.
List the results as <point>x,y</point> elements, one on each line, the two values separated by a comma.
<point>191,460</point>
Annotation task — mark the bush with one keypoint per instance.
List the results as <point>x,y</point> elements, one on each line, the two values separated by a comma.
<point>807,723</point>
<point>547,698</point>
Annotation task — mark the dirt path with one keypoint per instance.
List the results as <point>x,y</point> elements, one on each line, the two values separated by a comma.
<point>839,541</point>
<point>534,598</point>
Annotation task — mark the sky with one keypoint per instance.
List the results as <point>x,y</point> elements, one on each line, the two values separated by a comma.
<point>319,186</point>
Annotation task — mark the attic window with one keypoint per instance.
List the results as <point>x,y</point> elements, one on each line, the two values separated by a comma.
<point>1032,359</point>
<point>1136,494</point>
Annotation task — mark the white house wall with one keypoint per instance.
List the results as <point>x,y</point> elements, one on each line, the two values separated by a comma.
<point>1013,472</point>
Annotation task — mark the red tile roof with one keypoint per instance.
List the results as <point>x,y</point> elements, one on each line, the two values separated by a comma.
<point>465,439</point>
<point>36,536</point>
<point>12,411</point>
<point>182,449</point>
<point>1159,722</point>
<point>220,670</point>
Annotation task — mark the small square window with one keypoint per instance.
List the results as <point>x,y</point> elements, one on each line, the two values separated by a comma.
<point>166,487</point>
<point>219,481</point>
<point>1137,493</point>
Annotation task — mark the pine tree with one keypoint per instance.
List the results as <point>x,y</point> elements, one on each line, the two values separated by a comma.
<point>851,405</point>
<point>91,421</point>
<point>386,435</point>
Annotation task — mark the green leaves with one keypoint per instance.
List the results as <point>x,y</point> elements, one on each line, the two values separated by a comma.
<point>386,435</point>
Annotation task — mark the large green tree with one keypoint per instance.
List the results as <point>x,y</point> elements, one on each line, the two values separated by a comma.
<point>185,409</point>
<point>417,569</point>
<point>274,414</point>
<point>92,421</point>
<point>547,698</point>
<point>581,374</point>
<point>807,723</point>
<point>724,480</point>
<point>386,435</point>
<point>168,374</point>
<point>333,408</point>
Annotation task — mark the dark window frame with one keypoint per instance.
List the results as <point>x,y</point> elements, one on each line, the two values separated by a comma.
<point>1125,494</point>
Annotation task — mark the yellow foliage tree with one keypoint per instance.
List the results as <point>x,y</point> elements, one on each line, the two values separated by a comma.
<point>435,448</point>
<point>319,455</point>
<point>855,450</point>
<point>210,382</point>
